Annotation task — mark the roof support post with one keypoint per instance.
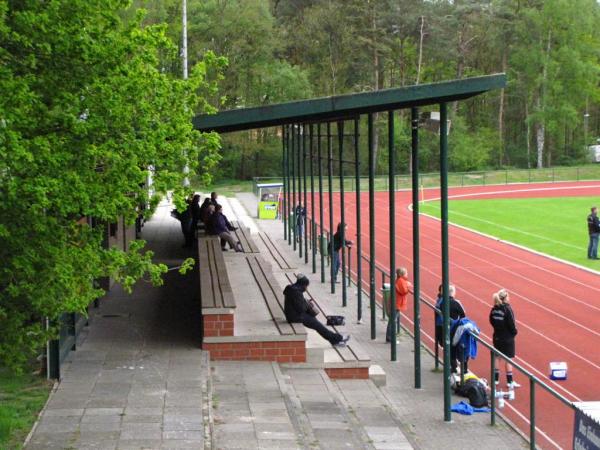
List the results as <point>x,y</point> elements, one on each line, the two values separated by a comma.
<point>313,226</point>
<point>445,265</point>
<point>392,230</point>
<point>304,203</point>
<point>283,174</point>
<point>330,182</point>
<point>321,218</point>
<point>372,286</point>
<point>358,225</point>
<point>294,203</point>
<point>414,118</point>
<point>299,154</point>
<point>340,129</point>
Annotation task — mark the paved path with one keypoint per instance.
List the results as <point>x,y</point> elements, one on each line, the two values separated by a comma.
<point>138,379</point>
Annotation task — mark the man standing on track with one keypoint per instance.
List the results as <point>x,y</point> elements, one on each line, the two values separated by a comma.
<point>594,231</point>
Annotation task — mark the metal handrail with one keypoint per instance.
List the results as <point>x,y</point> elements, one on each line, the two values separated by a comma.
<point>533,380</point>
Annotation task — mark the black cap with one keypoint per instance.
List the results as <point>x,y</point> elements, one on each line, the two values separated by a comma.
<point>302,279</point>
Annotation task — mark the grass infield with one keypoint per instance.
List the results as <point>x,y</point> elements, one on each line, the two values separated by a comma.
<point>21,399</point>
<point>554,226</point>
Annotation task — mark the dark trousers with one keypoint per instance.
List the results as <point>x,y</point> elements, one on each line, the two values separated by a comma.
<point>314,324</point>
<point>456,356</point>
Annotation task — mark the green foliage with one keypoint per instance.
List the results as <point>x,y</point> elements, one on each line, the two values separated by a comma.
<point>87,112</point>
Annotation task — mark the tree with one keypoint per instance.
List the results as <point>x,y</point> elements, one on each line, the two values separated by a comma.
<point>86,109</point>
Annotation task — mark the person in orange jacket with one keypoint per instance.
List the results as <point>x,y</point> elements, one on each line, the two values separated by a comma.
<point>402,287</point>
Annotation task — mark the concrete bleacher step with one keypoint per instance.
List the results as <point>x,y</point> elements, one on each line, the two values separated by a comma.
<point>377,375</point>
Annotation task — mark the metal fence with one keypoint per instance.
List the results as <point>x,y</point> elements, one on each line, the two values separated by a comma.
<point>456,179</point>
<point>70,325</point>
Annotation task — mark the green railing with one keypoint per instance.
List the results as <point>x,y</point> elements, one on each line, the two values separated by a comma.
<point>70,325</point>
<point>481,178</point>
<point>534,382</point>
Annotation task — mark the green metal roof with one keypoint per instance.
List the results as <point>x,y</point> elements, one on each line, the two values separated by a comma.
<point>347,106</point>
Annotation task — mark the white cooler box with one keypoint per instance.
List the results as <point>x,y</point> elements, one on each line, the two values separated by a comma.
<point>558,370</point>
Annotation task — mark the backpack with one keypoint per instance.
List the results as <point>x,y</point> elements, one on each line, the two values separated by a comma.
<point>475,391</point>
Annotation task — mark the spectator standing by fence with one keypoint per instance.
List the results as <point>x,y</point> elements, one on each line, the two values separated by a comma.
<point>299,214</point>
<point>456,312</point>
<point>594,231</point>
<point>502,320</point>
<point>402,286</point>
<point>337,245</point>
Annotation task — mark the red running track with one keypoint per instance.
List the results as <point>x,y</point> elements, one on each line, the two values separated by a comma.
<point>557,305</point>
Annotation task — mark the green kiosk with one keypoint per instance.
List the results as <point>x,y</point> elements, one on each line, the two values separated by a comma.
<point>269,195</point>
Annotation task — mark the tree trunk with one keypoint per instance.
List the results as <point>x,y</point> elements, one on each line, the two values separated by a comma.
<point>501,108</point>
<point>541,127</point>
<point>528,135</point>
<point>420,50</point>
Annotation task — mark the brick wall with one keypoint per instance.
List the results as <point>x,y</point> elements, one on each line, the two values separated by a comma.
<point>218,324</point>
<point>361,373</point>
<point>279,351</point>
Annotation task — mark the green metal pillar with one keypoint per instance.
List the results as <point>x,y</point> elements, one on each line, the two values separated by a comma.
<point>300,156</point>
<point>414,118</point>
<point>340,129</point>
<point>321,218</point>
<point>294,158</point>
<point>312,199</point>
<point>283,174</point>
<point>330,182</point>
<point>445,265</point>
<point>532,413</point>
<point>288,198</point>
<point>304,184</point>
<point>392,228</point>
<point>358,225</point>
<point>372,285</point>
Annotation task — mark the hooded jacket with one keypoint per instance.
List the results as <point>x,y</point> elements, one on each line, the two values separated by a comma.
<point>502,319</point>
<point>294,306</point>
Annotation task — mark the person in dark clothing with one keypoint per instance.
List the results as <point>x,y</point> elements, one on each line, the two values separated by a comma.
<point>213,199</point>
<point>502,320</point>
<point>299,214</point>
<point>439,319</point>
<point>594,232</point>
<point>186,227</point>
<point>456,312</point>
<point>203,210</point>
<point>337,246</point>
<point>220,226</point>
<point>296,311</point>
<point>195,210</point>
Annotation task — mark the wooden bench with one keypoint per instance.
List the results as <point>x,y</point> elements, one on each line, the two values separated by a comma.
<point>270,338</point>
<point>275,252</point>
<point>244,236</point>
<point>216,296</point>
<point>348,361</point>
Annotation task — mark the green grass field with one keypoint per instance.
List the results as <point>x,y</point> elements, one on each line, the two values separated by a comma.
<point>554,226</point>
<point>21,399</point>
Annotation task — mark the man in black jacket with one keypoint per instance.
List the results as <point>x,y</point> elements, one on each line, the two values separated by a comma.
<point>296,311</point>
<point>594,231</point>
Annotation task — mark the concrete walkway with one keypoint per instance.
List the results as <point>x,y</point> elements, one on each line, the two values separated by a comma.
<point>139,380</point>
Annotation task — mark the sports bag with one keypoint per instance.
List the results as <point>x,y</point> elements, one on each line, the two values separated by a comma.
<point>335,320</point>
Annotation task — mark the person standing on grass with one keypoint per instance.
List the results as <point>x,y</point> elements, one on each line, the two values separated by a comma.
<point>296,310</point>
<point>594,231</point>
<point>502,319</point>
<point>337,246</point>
<point>402,287</point>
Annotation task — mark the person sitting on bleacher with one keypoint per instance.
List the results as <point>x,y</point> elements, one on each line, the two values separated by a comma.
<point>204,210</point>
<point>296,309</point>
<point>220,226</point>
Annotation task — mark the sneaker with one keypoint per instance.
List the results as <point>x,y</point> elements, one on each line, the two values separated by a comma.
<point>513,385</point>
<point>344,341</point>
